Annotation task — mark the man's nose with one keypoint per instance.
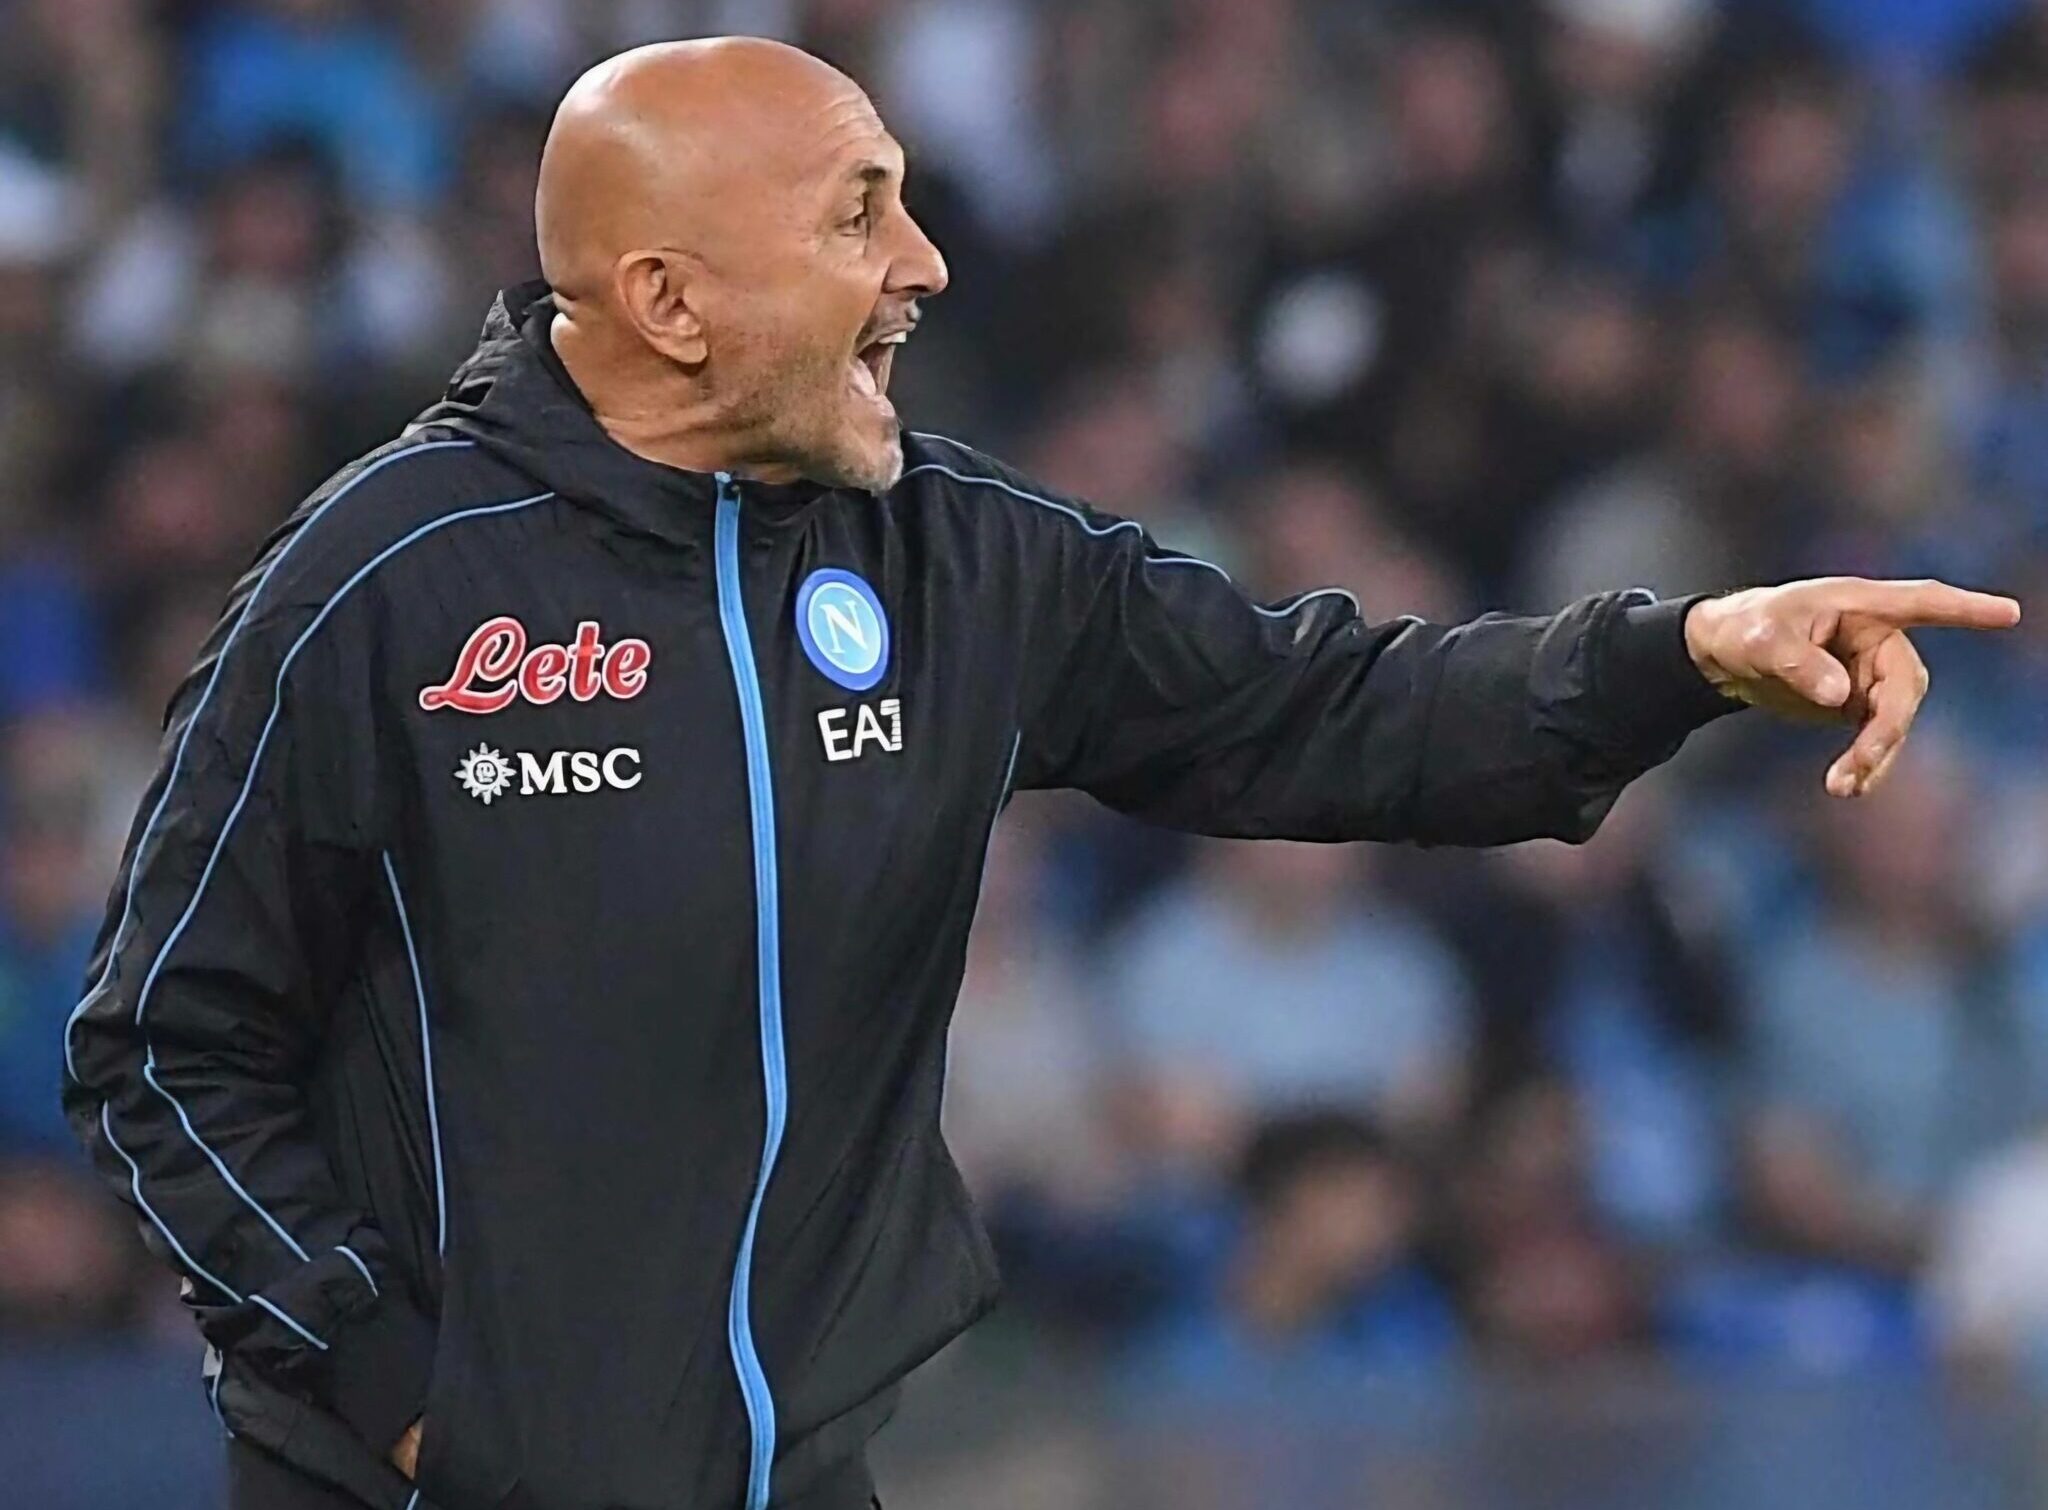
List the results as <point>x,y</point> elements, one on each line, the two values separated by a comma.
<point>920,268</point>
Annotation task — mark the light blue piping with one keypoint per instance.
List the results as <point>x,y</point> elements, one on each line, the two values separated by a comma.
<point>149,1074</point>
<point>1002,802</point>
<point>732,617</point>
<point>1281,611</point>
<point>1002,797</point>
<point>178,759</point>
<point>419,989</point>
<point>220,1367</point>
<point>357,1259</point>
<point>135,1184</point>
<point>1009,775</point>
<point>281,1316</point>
<point>227,828</point>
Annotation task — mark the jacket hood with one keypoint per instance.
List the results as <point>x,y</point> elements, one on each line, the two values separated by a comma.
<point>516,400</point>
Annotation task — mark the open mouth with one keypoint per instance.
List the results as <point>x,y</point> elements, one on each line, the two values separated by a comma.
<point>871,364</point>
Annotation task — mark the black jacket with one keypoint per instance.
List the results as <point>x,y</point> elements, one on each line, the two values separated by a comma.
<point>524,1002</point>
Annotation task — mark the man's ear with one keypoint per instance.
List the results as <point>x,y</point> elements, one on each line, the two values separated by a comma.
<point>655,292</point>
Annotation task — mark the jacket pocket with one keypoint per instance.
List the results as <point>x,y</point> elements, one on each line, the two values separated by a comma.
<point>316,1444</point>
<point>465,1459</point>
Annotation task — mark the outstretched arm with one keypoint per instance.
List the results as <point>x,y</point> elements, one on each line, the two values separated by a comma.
<point>1174,697</point>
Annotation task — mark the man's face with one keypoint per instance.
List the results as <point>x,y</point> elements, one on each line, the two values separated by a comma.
<point>813,291</point>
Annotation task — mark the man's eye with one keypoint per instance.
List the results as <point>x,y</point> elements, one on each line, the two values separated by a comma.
<point>858,221</point>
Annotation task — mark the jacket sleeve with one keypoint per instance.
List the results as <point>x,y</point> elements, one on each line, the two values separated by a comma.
<point>206,1002</point>
<point>1160,688</point>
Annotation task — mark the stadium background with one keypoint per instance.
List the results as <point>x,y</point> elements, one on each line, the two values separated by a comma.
<point>1704,1167</point>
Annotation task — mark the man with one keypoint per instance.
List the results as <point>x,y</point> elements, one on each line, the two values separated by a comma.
<point>1319,1277</point>
<point>521,1016</point>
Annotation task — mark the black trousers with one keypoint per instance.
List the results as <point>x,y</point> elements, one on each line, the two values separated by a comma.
<point>258,1481</point>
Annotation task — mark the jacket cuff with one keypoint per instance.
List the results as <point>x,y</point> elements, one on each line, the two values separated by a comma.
<point>378,1367</point>
<point>1649,677</point>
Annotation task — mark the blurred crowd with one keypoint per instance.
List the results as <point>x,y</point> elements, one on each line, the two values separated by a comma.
<point>1464,306</point>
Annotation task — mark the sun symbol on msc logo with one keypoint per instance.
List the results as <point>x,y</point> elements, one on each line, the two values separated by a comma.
<point>484,774</point>
<point>840,621</point>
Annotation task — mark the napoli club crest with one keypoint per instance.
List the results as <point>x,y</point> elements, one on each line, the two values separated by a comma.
<point>844,631</point>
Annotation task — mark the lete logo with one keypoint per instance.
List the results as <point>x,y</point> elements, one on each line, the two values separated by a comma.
<point>496,667</point>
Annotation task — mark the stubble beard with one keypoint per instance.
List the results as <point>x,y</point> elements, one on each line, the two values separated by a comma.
<point>877,475</point>
<point>802,418</point>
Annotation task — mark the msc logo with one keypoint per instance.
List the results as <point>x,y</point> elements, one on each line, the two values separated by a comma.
<point>843,629</point>
<point>879,724</point>
<point>487,775</point>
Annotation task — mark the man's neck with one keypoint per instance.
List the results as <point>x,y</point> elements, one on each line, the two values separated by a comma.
<point>668,437</point>
<point>663,419</point>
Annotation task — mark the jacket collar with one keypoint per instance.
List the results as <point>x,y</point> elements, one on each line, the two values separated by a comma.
<point>514,397</point>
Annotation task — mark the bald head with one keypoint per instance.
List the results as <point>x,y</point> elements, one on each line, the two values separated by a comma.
<point>656,146</point>
<point>723,226</point>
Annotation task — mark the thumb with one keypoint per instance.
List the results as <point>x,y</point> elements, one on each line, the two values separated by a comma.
<point>1810,671</point>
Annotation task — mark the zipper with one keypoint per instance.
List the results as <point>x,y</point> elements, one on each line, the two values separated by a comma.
<point>732,619</point>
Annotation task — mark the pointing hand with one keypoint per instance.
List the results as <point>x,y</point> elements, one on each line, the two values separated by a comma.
<point>1835,648</point>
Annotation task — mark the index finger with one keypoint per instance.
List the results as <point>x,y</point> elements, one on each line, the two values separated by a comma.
<point>1924,604</point>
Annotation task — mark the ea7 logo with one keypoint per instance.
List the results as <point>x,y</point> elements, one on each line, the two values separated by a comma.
<point>486,774</point>
<point>873,723</point>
